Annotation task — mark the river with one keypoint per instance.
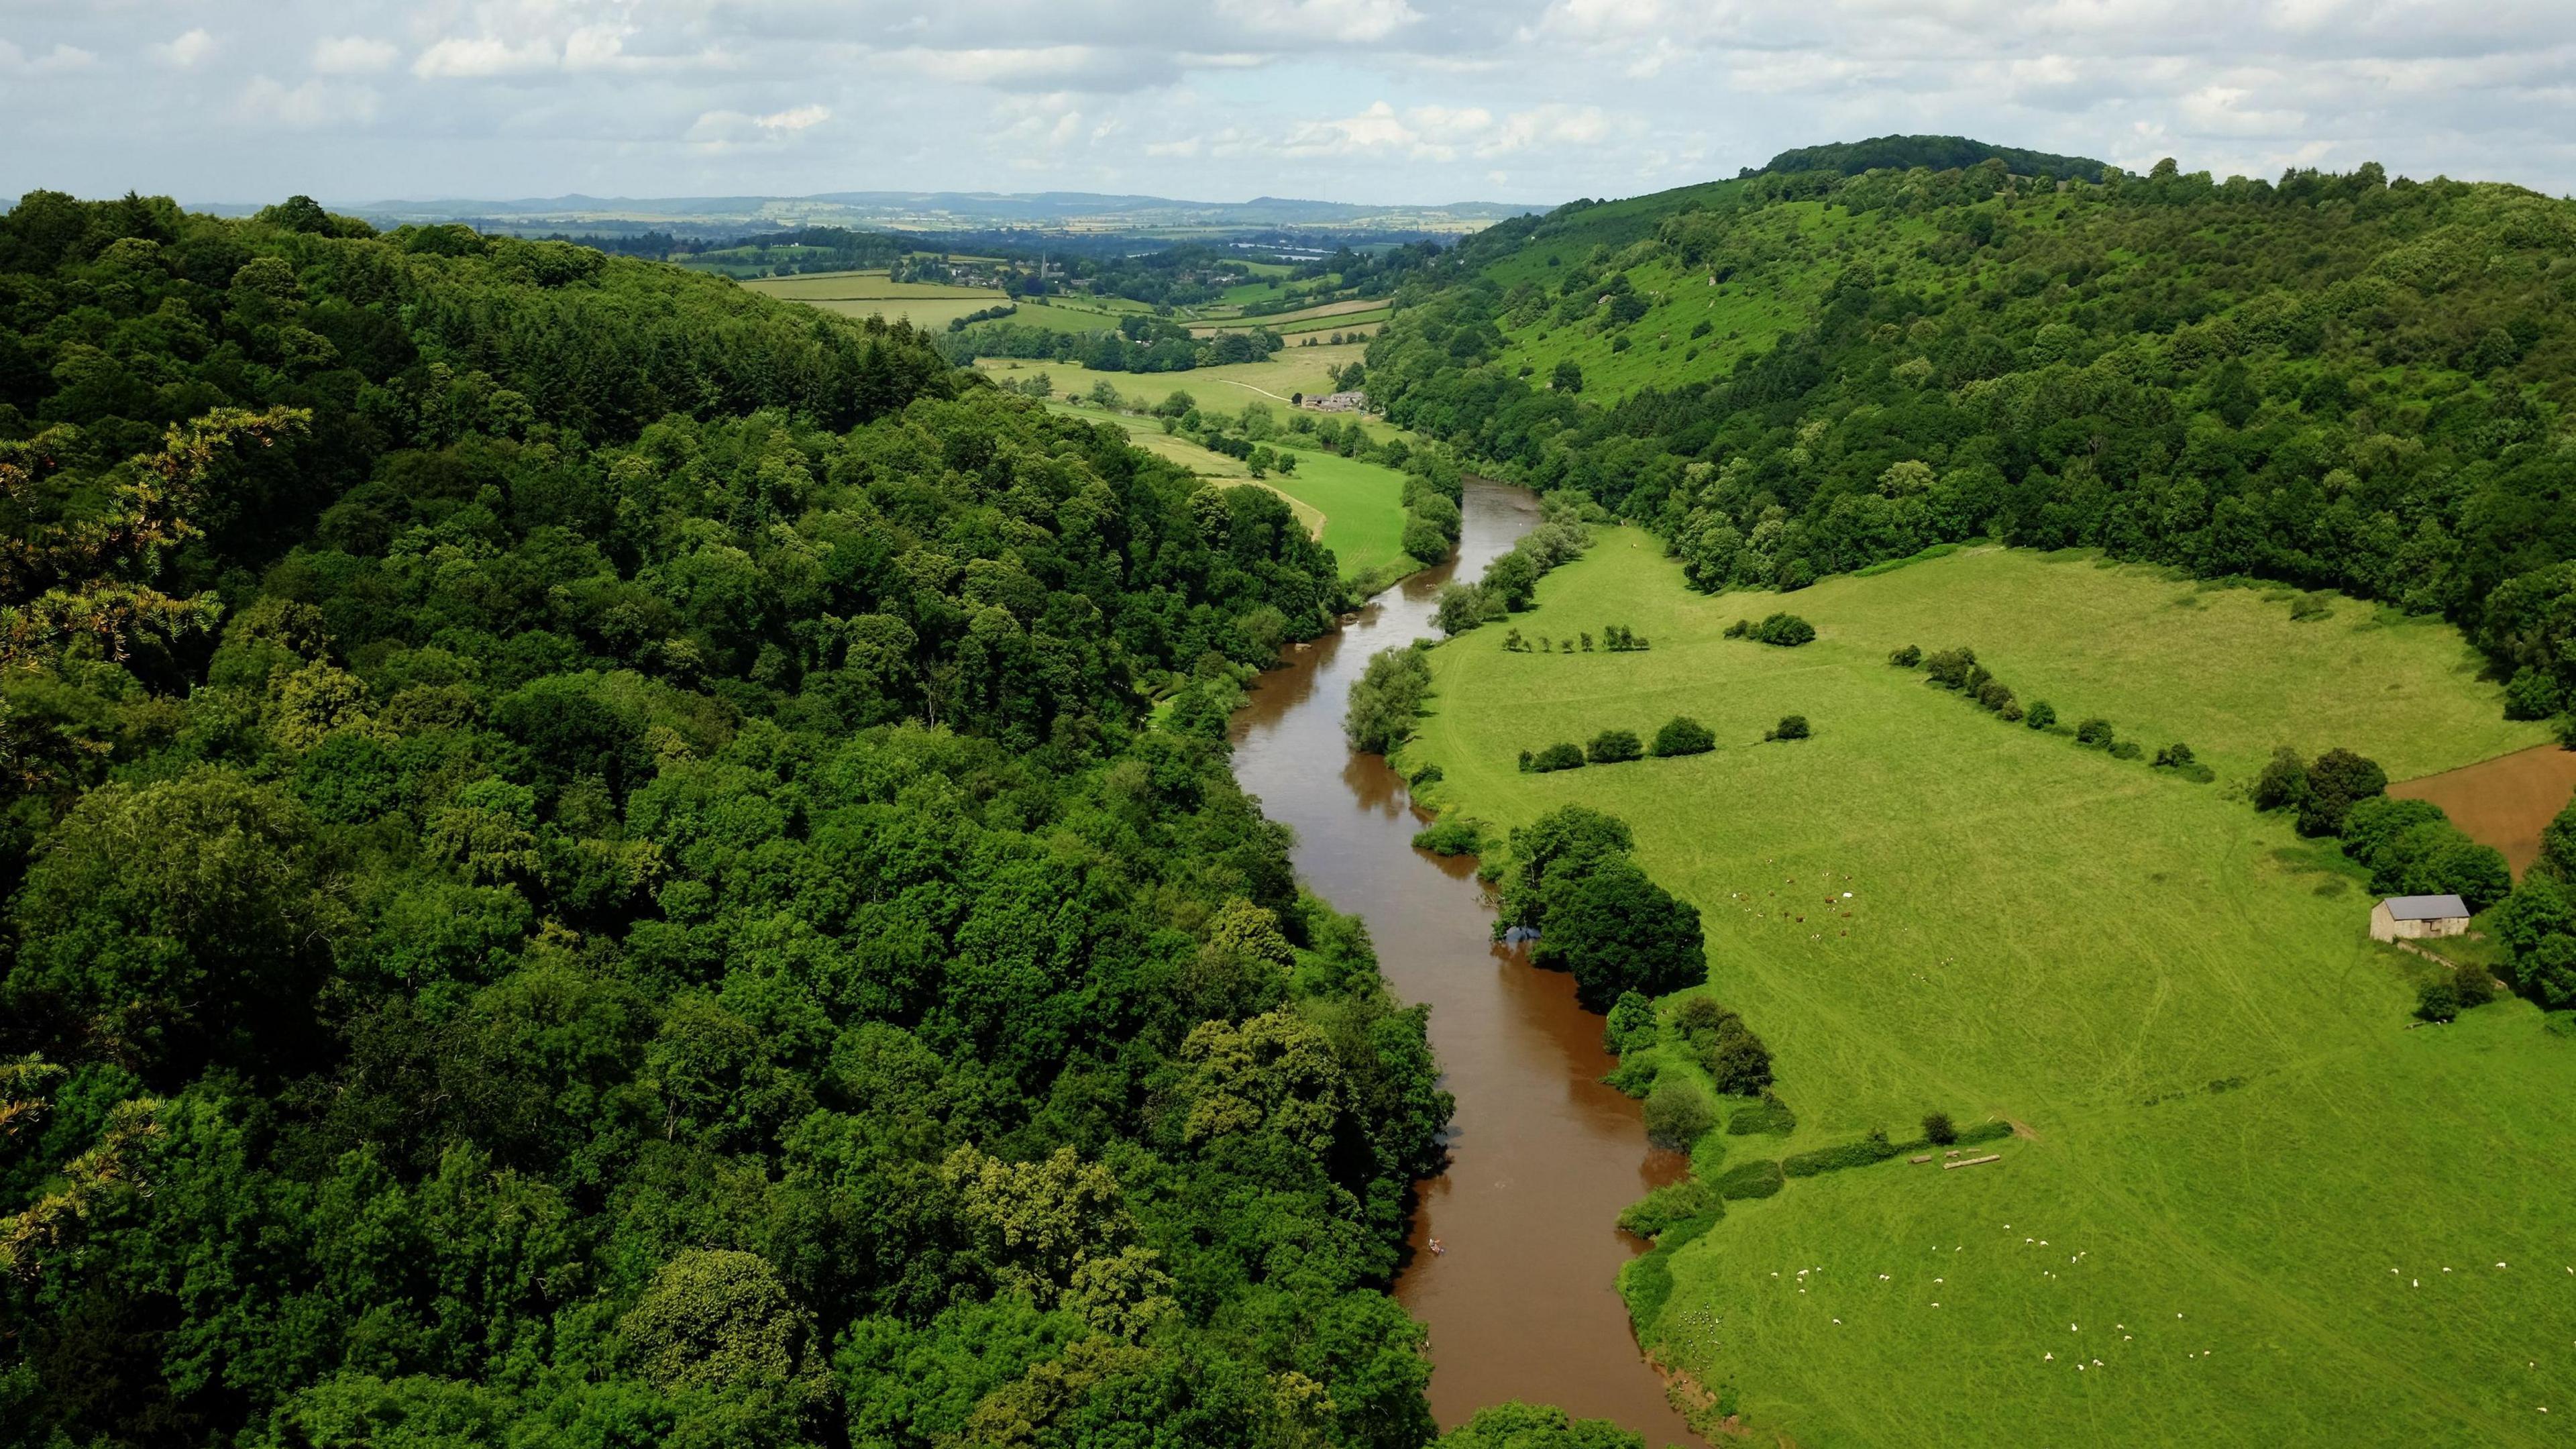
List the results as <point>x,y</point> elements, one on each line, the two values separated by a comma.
<point>1542,1157</point>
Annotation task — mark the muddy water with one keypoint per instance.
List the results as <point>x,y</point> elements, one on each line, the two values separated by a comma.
<point>2502,802</point>
<point>1542,1157</point>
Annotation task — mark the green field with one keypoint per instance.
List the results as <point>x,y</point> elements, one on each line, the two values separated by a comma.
<point>931,305</point>
<point>2272,1212</point>
<point>1286,373</point>
<point>1355,508</point>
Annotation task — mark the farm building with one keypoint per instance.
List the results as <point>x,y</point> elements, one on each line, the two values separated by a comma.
<point>2407,918</point>
<point>1339,402</point>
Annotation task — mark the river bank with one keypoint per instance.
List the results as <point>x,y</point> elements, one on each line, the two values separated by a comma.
<point>1523,1302</point>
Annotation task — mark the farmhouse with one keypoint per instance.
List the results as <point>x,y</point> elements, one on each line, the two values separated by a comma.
<point>2407,918</point>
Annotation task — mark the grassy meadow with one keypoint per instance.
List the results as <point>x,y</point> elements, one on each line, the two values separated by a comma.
<point>1291,370</point>
<point>1356,509</point>
<point>927,304</point>
<point>2247,1204</point>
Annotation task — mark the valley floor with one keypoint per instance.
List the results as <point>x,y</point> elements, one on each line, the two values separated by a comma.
<point>2247,1203</point>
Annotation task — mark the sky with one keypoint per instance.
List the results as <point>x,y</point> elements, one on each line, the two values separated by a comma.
<point>1374,101</point>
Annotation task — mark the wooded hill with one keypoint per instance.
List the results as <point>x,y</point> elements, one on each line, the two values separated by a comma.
<point>595,858</point>
<point>2340,381</point>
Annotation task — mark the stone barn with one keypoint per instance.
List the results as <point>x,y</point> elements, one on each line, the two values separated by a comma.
<point>2409,918</point>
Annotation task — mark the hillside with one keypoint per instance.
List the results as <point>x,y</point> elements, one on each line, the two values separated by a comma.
<point>593,857</point>
<point>2334,381</point>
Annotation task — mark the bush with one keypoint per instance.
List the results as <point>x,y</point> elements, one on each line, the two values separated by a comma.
<point>1939,1130</point>
<point>1995,695</point>
<point>2176,756</point>
<point>2532,694</point>
<point>1682,735</point>
<point>1450,835</point>
<point>1788,631</point>
<point>1907,657</point>
<point>1739,629</point>
<point>1734,1058</point>
<point>1750,1180</point>
<point>1632,1025</point>
<point>1614,747</point>
<point>2127,750</point>
<point>1791,727</point>
<point>1669,1206</point>
<point>1769,1115</point>
<point>1873,1148</point>
<point>2094,733</point>
<point>1677,1112</point>
<point>2283,783</point>
<point>1950,668</point>
<point>1554,757</point>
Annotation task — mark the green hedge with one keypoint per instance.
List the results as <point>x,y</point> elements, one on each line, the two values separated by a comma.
<point>1834,1159</point>
<point>1759,1178</point>
<point>1769,1115</point>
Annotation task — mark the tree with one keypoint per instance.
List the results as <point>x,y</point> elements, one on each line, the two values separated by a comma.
<point>2558,845</point>
<point>1568,376</point>
<point>1678,1113</point>
<point>1614,746</point>
<point>1907,657</point>
<point>1682,735</point>
<point>1787,631</point>
<point>2336,780</point>
<point>1632,1026</point>
<point>2283,783</point>
<point>1790,727</point>
<point>1567,756</point>
<point>1385,699</point>
<point>2042,715</point>
<point>2094,733</point>
<point>1938,1129</point>
<point>1616,930</point>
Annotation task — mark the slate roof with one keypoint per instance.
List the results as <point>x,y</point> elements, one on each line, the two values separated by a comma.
<point>2426,908</point>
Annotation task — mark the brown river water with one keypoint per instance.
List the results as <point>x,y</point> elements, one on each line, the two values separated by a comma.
<point>1522,1304</point>
<point>2503,802</point>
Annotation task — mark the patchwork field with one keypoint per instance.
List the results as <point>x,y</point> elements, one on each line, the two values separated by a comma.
<point>1356,509</point>
<point>1292,370</point>
<point>2247,1204</point>
<point>923,304</point>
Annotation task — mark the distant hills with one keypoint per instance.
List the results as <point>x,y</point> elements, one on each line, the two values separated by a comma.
<point>944,211</point>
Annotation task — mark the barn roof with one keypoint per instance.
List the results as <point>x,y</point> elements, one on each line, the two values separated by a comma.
<point>2425,908</point>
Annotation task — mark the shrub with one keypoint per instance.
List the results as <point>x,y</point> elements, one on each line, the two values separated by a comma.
<point>1613,747</point>
<point>1513,643</point>
<point>1995,695</point>
<point>1769,1115</point>
<point>2042,715</point>
<point>1669,1206</point>
<point>1788,631</point>
<point>1939,1130</point>
<point>1950,668</point>
<point>2126,750</point>
<point>1739,629</point>
<point>1682,735</point>
<point>1677,1112</point>
<point>1450,835</point>
<point>2337,780</point>
<point>1750,1180</point>
<point>1556,757</point>
<point>2176,756</point>
<point>1907,657</point>
<point>1791,727</point>
<point>1873,1148</point>
<point>2094,733</point>
<point>2311,606</point>
<point>2283,783</point>
<point>2532,694</point>
<point>1735,1059</point>
<point>1632,1026</point>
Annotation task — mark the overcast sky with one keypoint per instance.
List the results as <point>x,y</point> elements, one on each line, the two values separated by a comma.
<point>1222,100</point>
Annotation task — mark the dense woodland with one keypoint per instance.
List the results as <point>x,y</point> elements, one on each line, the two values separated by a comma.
<point>2340,381</point>
<point>593,858</point>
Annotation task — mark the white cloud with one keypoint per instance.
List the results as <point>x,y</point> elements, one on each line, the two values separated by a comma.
<point>483,56</point>
<point>53,62</point>
<point>720,130</point>
<point>304,107</point>
<point>185,51</point>
<point>1349,22</point>
<point>352,55</point>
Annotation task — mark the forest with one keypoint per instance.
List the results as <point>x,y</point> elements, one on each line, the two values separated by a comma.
<point>2338,381</point>
<point>595,858</point>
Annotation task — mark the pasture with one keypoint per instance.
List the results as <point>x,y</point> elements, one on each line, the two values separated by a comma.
<point>1356,509</point>
<point>1291,370</point>
<point>930,305</point>
<point>2249,1204</point>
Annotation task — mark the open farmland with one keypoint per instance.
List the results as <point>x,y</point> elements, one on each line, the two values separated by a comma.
<point>1284,374</point>
<point>1356,509</point>
<point>2248,1204</point>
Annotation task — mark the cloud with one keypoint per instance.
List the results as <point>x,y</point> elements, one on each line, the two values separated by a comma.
<point>724,129</point>
<point>1041,68</point>
<point>482,57</point>
<point>1442,133</point>
<point>186,50</point>
<point>56,61</point>
<point>352,55</point>
<point>304,107</point>
<point>1347,22</point>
